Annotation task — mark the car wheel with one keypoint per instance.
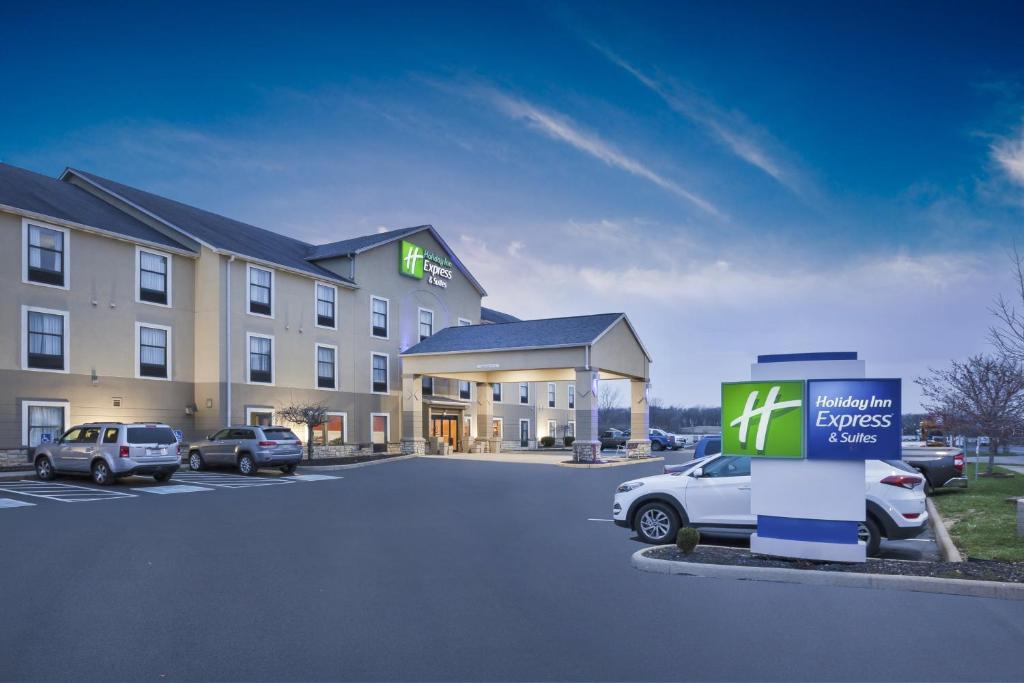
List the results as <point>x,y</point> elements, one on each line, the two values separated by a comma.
<point>246,465</point>
<point>44,469</point>
<point>101,473</point>
<point>656,446</point>
<point>868,532</point>
<point>162,476</point>
<point>195,461</point>
<point>657,523</point>
<point>288,469</point>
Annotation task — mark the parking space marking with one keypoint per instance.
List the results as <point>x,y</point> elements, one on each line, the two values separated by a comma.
<point>65,493</point>
<point>228,481</point>
<point>11,503</point>
<point>312,477</point>
<point>598,519</point>
<point>173,488</point>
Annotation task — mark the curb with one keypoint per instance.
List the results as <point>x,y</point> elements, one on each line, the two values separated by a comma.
<point>313,469</point>
<point>618,463</point>
<point>947,549</point>
<point>922,584</point>
<point>17,474</point>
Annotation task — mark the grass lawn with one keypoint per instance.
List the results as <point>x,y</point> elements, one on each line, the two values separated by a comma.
<point>985,524</point>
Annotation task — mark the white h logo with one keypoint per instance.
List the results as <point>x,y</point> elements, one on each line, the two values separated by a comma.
<point>764,413</point>
<point>414,254</point>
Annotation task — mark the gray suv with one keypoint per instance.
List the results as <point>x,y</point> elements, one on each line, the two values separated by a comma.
<point>108,450</point>
<point>248,447</point>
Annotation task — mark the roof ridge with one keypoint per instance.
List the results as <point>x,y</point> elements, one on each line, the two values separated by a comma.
<point>556,317</point>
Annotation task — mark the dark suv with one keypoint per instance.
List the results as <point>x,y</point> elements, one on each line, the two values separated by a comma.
<point>248,448</point>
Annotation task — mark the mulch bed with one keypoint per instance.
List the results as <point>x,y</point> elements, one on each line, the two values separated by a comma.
<point>979,570</point>
<point>349,460</point>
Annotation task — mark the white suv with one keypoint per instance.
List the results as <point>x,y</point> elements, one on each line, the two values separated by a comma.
<point>714,497</point>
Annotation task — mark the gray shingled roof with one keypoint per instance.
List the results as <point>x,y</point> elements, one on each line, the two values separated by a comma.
<point>358,244</point>
<point>219,231</point>
<point>550,332</point>
<point>37,193</point>
<point>492,316</point>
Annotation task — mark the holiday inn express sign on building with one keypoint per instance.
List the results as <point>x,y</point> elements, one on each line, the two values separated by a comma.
<point>414,261</point>
<point>834,419</point>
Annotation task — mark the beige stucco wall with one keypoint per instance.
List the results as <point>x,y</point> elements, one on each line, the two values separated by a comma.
<point>619,351</point>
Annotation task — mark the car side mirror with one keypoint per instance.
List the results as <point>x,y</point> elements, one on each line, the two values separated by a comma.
<point>697,472</point>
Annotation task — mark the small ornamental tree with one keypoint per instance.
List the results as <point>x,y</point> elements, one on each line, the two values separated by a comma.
<point>310,414</point>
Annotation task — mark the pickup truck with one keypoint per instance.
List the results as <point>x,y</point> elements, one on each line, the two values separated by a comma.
<point>941,467</point>
<point>662,441</point>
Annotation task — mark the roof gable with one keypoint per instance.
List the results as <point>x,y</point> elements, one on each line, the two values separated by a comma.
<point>524,334</point>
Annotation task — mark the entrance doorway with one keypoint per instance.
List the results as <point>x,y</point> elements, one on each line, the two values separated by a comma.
<point>524,433</point>
<point>446,427</point>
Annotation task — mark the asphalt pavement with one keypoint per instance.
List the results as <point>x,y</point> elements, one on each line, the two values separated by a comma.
<point>428,569</point>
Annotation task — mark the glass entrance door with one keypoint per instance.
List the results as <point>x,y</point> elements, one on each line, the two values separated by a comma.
<point>446,427</point>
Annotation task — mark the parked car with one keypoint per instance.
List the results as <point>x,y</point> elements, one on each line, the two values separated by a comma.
<point>662,440</point>
<point>613,438</point>
<point>708,445</point>
<point>983,441</point>
<point>714,497</point>
<point>107,451</point>
<point>248,448</point>
<point>941,467</point>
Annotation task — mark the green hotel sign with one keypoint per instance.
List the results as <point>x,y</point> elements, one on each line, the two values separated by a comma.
<point>763,419</point>
<point>416,262</point>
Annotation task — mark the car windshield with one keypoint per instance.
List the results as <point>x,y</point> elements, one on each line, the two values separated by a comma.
<point>713,446</point>
<point>280,434</point>
<point>161,435</point>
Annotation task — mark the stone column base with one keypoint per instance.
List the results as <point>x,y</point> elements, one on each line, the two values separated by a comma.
<point>414,447</point>
<point>494,445</point>
<point>640,448</point>
<point>586,451</point>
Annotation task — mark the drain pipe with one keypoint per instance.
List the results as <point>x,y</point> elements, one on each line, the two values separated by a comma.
<point>227,340</point>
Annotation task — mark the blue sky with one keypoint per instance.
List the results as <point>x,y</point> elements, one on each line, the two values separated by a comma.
<point>740,179</point>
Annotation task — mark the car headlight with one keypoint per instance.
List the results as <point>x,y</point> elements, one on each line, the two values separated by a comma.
<point>629,486</point>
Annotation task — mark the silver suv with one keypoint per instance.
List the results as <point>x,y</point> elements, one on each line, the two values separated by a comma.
<point>108,450</point>
<point>248,447</point>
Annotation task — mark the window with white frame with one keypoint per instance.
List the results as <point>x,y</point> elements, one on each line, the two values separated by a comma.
<point>497,425</point>
<point>524,392</point>
<point>464,390</point>
<point>261,359</point>
<point>426,323</point>
<point>572,397</point>
<point>333,432</point>
<point>570,429</point>
<point>326,366</point>
<point>43,421</point>
<point>379,317</point>
<point>326,305</point>
<point>261,291</point>
<point>552,428</point>
<point>551,394</point>
<point>379,373</point>
<point>46,249</point>
<point>154,345</point>
<point>496,391</point>
<point>153,277</point>
<point>45,339</point>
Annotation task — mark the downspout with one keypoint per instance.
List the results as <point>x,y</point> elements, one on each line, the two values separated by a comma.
<point>227,339</point>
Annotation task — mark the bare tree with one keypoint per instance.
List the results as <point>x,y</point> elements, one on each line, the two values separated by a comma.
<point>309,414</point>
<point>983,395</point>
<point>609,400</point>
<point>1008,334</point>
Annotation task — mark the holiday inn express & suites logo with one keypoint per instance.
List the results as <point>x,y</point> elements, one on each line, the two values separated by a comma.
<point>410,261</point>
<point>764,419</point>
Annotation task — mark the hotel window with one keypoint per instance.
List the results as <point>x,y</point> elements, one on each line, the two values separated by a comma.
<point>496,391</point>
<point>570,430</point>
<point>261,286</point>
<point>154,281</point>
<point>428,386</point>
<point>496,425</point>
<point>46,255</point>
<point>154,343</point>
<point>524,393</point>
<point>379,317</point>
<point>551,394</point>
<point>572,397</point>
<point>326,367</point>
<point>45,340</point>
<point>261,359</point>
<point>43,420</point>
<point>426,323</point>
<point>552,428</point>
<point>379,374</point>
<point>333,432</point>
<point>326,296</point>
<point>463,389</point>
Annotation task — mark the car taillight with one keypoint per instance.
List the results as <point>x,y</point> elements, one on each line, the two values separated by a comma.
<point>958,463</point>
<point>123,451</point>
<point>902,480</point>
<point>268,443</point>
<point>911,515</point>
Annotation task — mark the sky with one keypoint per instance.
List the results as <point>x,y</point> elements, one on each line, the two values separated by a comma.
<point>738,178</point>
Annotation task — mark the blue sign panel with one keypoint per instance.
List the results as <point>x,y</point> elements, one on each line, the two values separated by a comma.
<point>853,419</point>
<point>178,435</point>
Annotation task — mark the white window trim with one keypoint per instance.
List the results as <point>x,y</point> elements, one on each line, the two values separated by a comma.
<point>465,320</point>
<point>552,396</point>
<point>572,397</point>
<point>25,310</point>
<point>25,405</point>
<point>344,425</point>
<point>273,291</point>
<point>25,222</point>
<point>519,393</point>
<point>387,421</point>
<point>167,281</point>
<point>519,434</point>
<point>248,359</point>
<point>501,430</point>
<point>553,428</point>
<point>249,410</point>
<point>387,373</point>
<point>316,301</point>
<point>572,428</point>
<point>419,312</point>
<point>387,315</point>
<point>316,367</point>
<point>138,350</point>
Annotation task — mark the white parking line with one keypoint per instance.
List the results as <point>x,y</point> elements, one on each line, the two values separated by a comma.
<point>598,519</point>
<point>228,481</point>
<point>312,477</point>
<point>11,503</point>
<point>163,490</point>
<point>65,493</point>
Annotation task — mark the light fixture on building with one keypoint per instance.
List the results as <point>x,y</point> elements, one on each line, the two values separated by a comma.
<point>209,403</point>
<point>191,409</point>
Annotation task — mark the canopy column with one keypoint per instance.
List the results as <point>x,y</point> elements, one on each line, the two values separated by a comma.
<point>587,446</point>
<point>639,443</point>
<point>485,417</point>
<point>412,415</point>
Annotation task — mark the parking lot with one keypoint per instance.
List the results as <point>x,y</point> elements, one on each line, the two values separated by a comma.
<point>430,570</point>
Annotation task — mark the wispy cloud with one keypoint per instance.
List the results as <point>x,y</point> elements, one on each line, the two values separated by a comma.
<point>562,128</point>
<point>1008,153</point>
<point>732,129</point>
